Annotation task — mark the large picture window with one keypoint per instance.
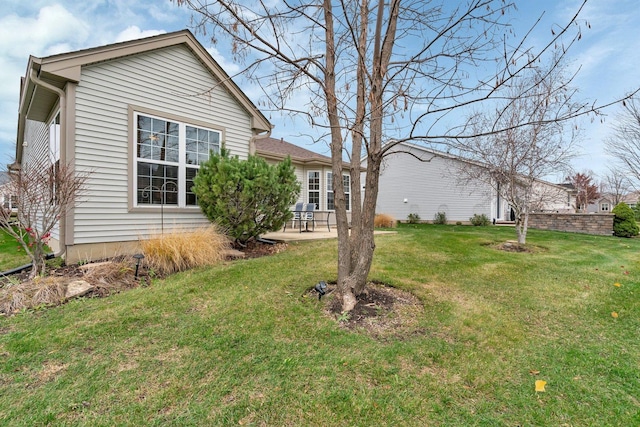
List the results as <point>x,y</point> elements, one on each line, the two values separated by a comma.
<point>168,156</point>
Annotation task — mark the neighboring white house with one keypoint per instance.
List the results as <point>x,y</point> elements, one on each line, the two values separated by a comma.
<point>313,171</point>
<point>418,180</point>
<point>141,116</point>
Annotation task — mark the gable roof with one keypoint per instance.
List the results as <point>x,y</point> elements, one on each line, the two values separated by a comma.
<point>412,148</point>
<point>57,70</point>
<point>279,149</point>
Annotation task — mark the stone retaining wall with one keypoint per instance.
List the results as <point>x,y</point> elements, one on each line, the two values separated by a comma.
<point>599,224</point>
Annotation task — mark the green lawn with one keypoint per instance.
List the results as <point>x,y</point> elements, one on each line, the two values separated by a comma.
<point>238,344</point>
<point>11,253</point>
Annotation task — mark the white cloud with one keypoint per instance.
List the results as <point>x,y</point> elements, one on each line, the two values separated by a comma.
<point>53,29</point>
<point>133,33</point>
<point>40,28</point>
<point>230,67</point>
<point>53,25</point>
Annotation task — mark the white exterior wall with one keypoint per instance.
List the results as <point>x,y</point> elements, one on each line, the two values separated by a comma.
<point>551,198</point>
<point>37,135</point>
<point>166,81</point>
<point>408,185</point>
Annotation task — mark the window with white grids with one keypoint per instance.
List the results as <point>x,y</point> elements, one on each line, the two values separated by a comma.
<point>168,156</point>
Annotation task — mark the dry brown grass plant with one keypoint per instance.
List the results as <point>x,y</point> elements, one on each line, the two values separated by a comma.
<point>104,277</point>
<point>181,250</point>
<point>384,221</point>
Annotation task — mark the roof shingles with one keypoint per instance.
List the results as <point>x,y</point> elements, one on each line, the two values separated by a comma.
<point>281,148</point>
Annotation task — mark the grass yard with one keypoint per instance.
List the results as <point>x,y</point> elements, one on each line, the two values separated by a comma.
<point>11,253</point>
<point>239,344</point>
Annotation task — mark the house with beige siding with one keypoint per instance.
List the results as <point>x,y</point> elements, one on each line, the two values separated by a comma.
<point>313,171</point>
<point>140,116</point>
<point>607,201</point>
<point>422,181</point>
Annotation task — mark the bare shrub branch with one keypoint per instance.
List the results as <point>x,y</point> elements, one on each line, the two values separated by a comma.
<point>45,192</point>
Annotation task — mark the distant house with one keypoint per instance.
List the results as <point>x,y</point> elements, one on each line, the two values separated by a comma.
<point>313,171</point>
<point>418,180</point>
<point>607,201</point>
<point>141,116</point>
<point>8,200</point>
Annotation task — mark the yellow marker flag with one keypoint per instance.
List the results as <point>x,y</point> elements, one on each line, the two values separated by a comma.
<point>540,385</point>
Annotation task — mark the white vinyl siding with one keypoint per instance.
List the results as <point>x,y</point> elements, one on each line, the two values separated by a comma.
<point>36,136</point>
<point>43,144</point>
<point>170,81</point>
<point>408,185</point>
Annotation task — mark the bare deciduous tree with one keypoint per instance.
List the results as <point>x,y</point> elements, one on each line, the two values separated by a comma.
<point>375,71</point>
<point>513,162</point>
<point>616,184</point>
<point>44,193</point>
<point>624,143</point>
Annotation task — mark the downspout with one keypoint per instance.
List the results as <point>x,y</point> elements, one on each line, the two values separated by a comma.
<point>62,96</point>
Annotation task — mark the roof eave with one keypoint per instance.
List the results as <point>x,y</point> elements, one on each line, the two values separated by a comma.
<point>67,67</point>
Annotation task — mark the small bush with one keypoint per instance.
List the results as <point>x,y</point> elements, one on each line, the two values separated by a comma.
<point>479,220</point>
<point>413,218</point>
<point>246,197</point>
<point>440,218</point>
<point>624,222</point>
<point>384,221</point>
<point>181,250</point>
<point>458,223</point>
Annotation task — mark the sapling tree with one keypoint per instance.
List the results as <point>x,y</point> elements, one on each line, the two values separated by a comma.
<point>373,74</point>
<point>45,193</point>
<point>514,162</point>
<point>246,197</point>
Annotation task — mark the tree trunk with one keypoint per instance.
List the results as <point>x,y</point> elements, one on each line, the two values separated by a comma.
<point>521,227</point>
<point>356,255</point>
<point>353,273</point>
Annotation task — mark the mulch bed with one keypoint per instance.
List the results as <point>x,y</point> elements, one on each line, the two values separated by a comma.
<point>381,311</point>
<point>255,249</point>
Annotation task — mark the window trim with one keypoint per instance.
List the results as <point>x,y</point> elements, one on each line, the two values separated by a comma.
<point>319,190</point>
<point>132,199</point>
<point>329,178</point>
<point>602,209</point>
<point>347,194</point>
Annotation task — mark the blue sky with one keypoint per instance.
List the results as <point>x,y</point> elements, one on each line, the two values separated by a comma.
<point>607,53</point>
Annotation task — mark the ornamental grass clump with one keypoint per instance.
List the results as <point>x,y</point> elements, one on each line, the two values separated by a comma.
<point>384,221</point>
<point>181,250</point>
